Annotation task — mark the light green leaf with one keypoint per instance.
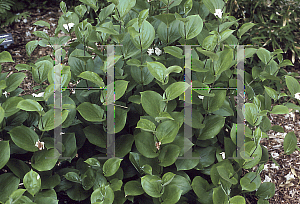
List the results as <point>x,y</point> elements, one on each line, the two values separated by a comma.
<point>13,81</point>
<point>145,144</point>
<point>91,112</point>
<point>41,34</point>
<point>280,109</point>
<point>44,160</point>
<point>24,137</point>
<point>152,103</point>
<point>32,182</point>
<point>292,84</point>
<point>120,88</point>
<point>48,122</point>
<point>244,28</point>
<point>92,3</point>
<point>133,188</point>
<point>124,6</point>
<point>93,77</point>
<point>168,155</point>
<point>237,200</point>
<point>271,92</point>
<point>146,125</point>
<point>5,57</point>
<point>104,194</point>
<point>42,24</point>
<point>264,55</point>
<point>266,190</point>
<point>152,185</point>
<point>10,105</point>
<point>175,51</point>
<point>225,60</point>
<point>142,16</point>
<point>213,125</point>
<point>171,194</point>
<point>175,90</point>
<point>30,46</point>
<point>191,28</point>
<point>210,42</point>
<point>167,131</point>
<point>290,143</point>
<point>147,35</point>
<point>158,70</point>
<point>111,166</point>
<point>9,183</point>
<point>30,105</point>
<point>4,153</point>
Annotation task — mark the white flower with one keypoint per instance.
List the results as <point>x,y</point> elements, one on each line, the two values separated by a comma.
<point>218,13</point>
<point>25,20</point>
<point>223,155</point>
<point>148,1</point>
<point>68,26</point>
<point>157,144</point>
<point>289,176</point>
<point>201,97</point>
<point>30,28</point>
<point>5,93</point>
<point>38,177</point>
<point>40,145</point>
<point>38,10</point>
<point>158,51</point>
<point>53,24</point>
<point>38,95</point>
<point>51,19</point>
<point>34,29</point>
<point>150,51</point>
<point>267,179</point>
<point>45,31</point>
<point>275,155</point>
<point>297,96</point>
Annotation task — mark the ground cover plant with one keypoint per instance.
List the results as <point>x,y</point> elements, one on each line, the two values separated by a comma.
<point>149,109</point>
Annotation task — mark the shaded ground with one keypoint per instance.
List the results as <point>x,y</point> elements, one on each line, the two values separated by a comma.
<point>286,191</point>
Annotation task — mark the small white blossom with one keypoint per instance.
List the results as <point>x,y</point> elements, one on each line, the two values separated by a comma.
<point>25,20</point>
<point>51,19</point>
<point>40,145</point>
<point>267,179</point>
<point>38,177</point>
<point>289,176</point>
<point>38,95</point>
<point>38,10</point>
<point>157,144</point>
<point>5,93</point>
<point>68,26</point>
<point>53,24</point>
<point>150,51</point>
<point>34,29</point>
<point>223,155</point>
<point>297,96</point>
<point>218,13</point>
<point>201,97</point>
<point>45,31</point>
<point>30,28</point>
<point>158,51</point>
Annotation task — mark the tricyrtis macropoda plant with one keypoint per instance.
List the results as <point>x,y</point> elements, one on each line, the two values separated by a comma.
<point>149,109</point>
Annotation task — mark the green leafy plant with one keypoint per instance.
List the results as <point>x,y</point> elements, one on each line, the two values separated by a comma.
<point>149,112</point>
<point>273,30</point>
